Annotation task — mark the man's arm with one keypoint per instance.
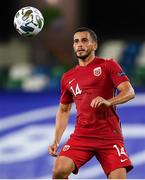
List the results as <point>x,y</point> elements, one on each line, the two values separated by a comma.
<point>126,93</point>
<point>62,117</point>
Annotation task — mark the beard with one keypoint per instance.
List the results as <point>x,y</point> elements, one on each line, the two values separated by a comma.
<point>82,57</point>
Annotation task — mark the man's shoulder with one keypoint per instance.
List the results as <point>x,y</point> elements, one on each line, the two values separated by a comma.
<point>106,61</point>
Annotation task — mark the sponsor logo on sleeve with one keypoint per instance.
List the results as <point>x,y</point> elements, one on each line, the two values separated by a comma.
<point>121,73</point>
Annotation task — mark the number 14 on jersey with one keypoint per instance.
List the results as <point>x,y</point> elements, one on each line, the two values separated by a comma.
<point>76,90</point>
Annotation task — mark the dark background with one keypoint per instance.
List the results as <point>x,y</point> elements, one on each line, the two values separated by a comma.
<point>114,18</point>
<point>109,18</point>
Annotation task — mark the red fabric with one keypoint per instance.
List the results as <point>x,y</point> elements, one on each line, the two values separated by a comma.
<point>111,154</point>
<point>81,85</point>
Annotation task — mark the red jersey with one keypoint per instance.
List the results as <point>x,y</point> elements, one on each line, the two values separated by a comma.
<point>81,85</point>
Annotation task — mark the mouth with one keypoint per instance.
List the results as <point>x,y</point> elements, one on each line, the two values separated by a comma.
<point>80,50</point>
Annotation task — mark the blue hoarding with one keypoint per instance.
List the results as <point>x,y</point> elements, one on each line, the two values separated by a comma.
<point>26,129</point>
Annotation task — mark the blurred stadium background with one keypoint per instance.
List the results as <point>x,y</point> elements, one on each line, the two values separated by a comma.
<point>30,71</point>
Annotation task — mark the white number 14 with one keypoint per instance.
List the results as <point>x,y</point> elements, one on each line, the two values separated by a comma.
<point>77,90</point>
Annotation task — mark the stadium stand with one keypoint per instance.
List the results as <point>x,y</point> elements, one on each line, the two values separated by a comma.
<point>27,76</point>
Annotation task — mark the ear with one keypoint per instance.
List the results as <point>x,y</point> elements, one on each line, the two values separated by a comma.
<point>95,46</point>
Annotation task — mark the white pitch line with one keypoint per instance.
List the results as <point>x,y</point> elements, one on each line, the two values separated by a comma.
<point>49,112</point>
<point>30,116</point>
<point>139,100</point>
<point>133,130</point>
<point>27,117</point>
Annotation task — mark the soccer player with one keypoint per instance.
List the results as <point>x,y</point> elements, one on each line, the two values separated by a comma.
<point>91,85</point>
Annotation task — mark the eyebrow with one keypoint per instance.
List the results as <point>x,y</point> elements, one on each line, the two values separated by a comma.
<point>81,38</point>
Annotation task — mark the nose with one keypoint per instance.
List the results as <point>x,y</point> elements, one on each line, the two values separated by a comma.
<point>79,44</point>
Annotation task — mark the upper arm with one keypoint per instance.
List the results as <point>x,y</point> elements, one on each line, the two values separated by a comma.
<point>126,87</point>
<point>66,95</point>
<point>116,73</point>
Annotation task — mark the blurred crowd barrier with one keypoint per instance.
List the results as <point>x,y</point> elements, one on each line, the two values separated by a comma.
<point>130,55</point>
<point>18,72</point>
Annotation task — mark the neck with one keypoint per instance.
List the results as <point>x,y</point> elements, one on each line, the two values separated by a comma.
<point>86,61</point>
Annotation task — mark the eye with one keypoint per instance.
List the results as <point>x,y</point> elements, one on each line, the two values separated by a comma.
<point>76,40</point>
<point>84,40</point>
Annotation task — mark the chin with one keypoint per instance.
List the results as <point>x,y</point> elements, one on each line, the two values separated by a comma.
<point>83,57</point>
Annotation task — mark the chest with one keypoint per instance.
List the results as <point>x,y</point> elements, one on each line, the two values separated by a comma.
<point>85,79</point>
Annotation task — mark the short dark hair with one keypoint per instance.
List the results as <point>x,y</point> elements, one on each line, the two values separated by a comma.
<point>91,32</point>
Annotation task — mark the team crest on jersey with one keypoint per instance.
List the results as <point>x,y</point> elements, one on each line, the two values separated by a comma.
<point>66,147</point>
<point>97,71</point>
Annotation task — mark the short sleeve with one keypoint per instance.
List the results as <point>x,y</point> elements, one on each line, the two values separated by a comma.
<point>116,72</point>
<point>66,96</point>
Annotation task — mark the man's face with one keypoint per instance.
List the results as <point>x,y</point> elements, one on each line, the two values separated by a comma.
<point>83,45</point>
